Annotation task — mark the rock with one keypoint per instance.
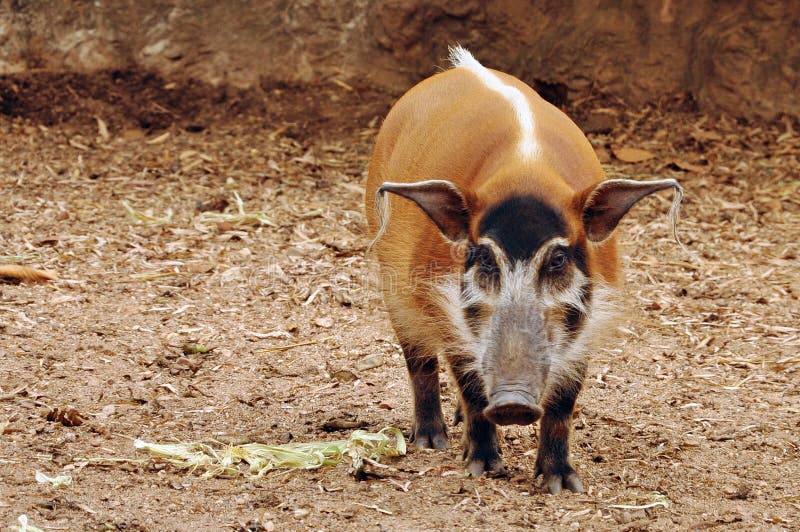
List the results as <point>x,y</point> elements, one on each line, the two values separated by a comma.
<point>686,47</point>
<point>599,122</point>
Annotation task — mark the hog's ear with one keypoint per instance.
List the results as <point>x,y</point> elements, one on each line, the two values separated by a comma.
<point>442,202</point>
<point>604,204</point>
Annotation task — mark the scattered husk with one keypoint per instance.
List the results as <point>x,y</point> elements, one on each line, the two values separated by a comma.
<point>26,273</point>
<point>24,526</point>
<point>143,277</point>
<point>195,349</point>
<point>56,482</point>
<point>147,219</point>
<point>287,347</point>
<point>20,258</point>
<point>241,217</point>
<point>657,499</point>
<point>361,447</point>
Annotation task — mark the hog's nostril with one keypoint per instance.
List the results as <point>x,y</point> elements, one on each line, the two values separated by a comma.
<point>509,408</point>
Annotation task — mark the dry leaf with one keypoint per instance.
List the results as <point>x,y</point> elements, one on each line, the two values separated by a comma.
<point>146,218</point>
<point>69,417</point>
<point>325,322</point>
<point>25,526</point>
<point>159,139</point>
<point>107,411</point>
<point>185,363</point>
<point>337,424</point>
<point>344,375</point>
<point>240,218</point>
<point>632,155</point>
<point>26,273</point>
<point>131,134</point>
<point>702,135</point>
<point>600,121</point>
<point>343,85</point>
<point>369,362</point>
<point>217,205</point>
<point>78,144</point>
<point>102,129</point>
<point>689,167</point>
<point>200,267</point>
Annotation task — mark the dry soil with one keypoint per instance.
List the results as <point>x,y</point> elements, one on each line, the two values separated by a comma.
<point>689,418</point>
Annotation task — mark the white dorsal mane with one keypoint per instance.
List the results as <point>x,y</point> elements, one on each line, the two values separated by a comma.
<point>461,58</point>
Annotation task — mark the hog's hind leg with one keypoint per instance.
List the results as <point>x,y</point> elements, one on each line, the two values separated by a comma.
<point>428,429</point>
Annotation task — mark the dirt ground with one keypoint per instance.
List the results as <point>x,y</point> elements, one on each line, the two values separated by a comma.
<point>689,419</point>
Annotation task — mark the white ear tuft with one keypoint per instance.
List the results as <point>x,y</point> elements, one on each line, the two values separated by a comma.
<point>441,200</point>
<point>610,200</point>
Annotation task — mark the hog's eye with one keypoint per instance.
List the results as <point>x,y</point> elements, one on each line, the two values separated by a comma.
<point>486,268</point>
<point>557,261</point>
<point>485,260</point>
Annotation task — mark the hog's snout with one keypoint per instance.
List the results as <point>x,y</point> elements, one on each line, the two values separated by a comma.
<point>512,407</point>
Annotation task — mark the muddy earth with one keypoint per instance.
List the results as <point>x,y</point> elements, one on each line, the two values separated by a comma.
<point>689,418</point>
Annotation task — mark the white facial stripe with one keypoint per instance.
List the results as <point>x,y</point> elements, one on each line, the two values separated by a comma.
<point>528,147</point>
<point>544,250</point>
<point>499,254</point>
<point>521,277</point>
<point>572,294</point>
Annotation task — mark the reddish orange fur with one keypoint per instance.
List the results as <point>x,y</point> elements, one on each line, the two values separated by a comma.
<point>515,331</point>
<point>477,150</point>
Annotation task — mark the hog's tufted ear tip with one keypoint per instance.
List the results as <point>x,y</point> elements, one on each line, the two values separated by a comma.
<point>605,204</point>
<point>441,200</point>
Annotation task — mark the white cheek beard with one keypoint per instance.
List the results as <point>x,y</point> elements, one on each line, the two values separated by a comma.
<point>454,299</point>
<point>599,312</point>
<point>568,355</point>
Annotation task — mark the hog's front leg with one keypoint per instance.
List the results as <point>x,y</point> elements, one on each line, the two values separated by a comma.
<point>481,450</point>
<point>552,461</point>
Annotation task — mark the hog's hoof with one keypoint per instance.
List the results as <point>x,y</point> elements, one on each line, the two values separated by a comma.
<point>429,436</point>
<point>484,460</point>
<point>557,481</point>
<point>493,468</point>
